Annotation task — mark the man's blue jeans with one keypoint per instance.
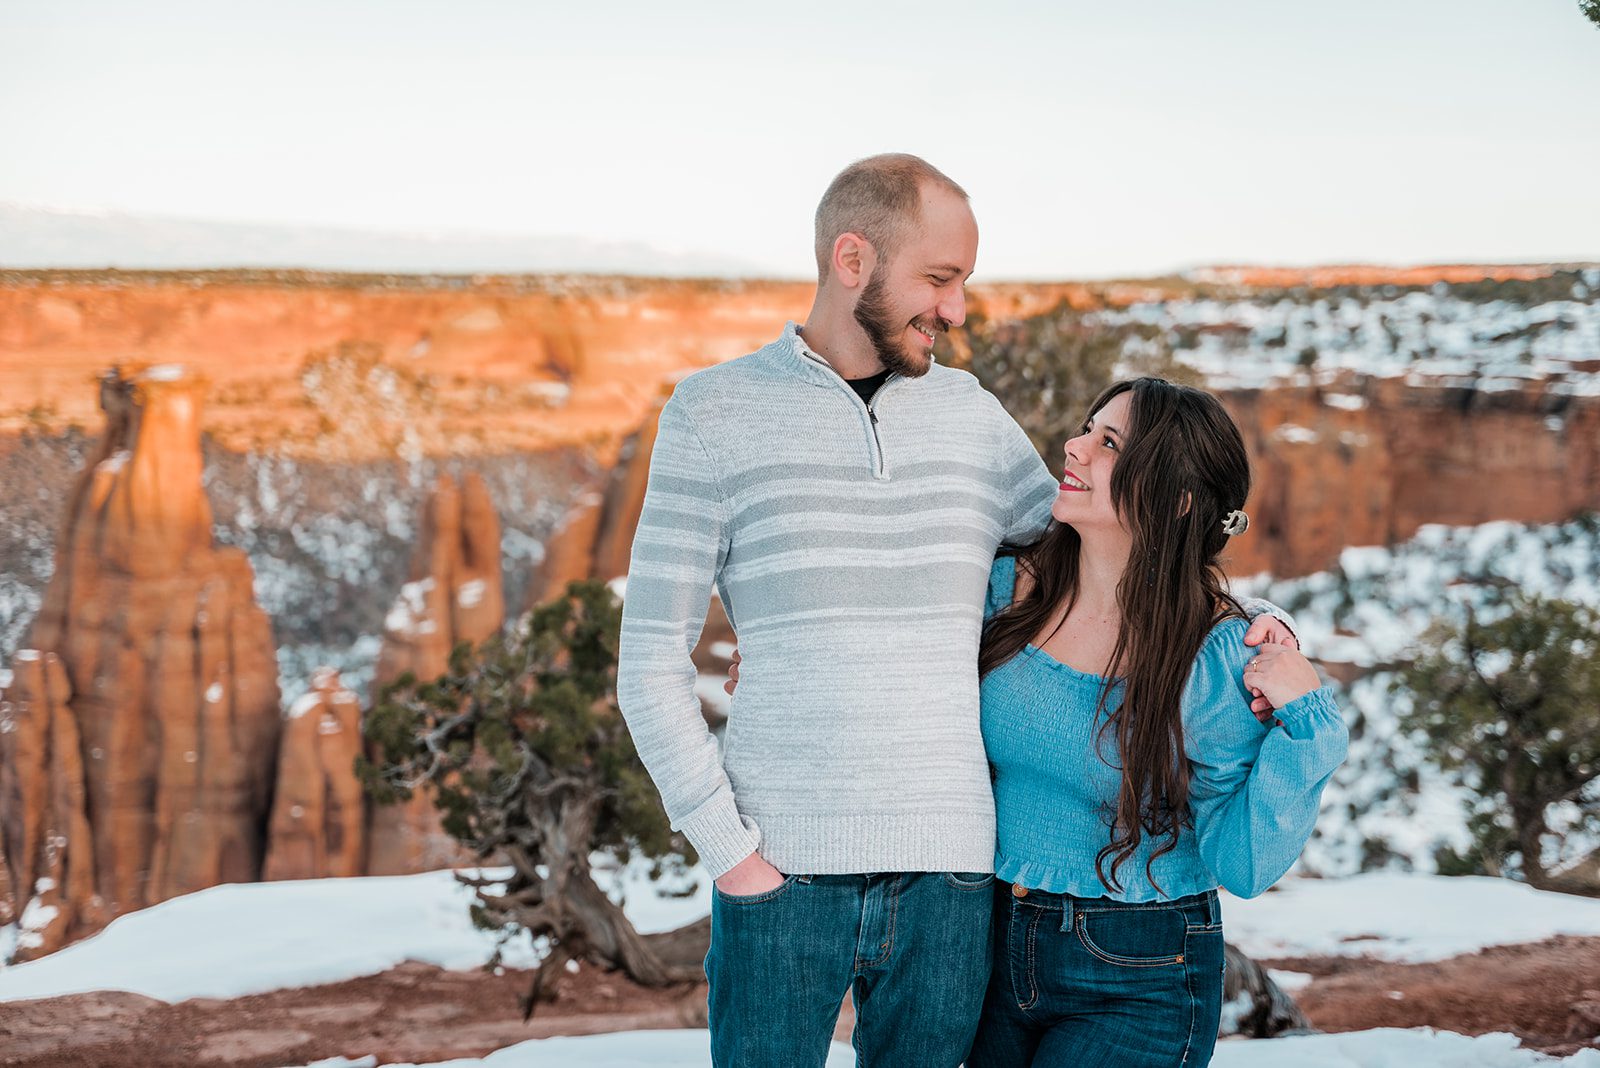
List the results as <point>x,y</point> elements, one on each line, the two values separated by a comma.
<point>911,947</point>
<point>1098,983</point>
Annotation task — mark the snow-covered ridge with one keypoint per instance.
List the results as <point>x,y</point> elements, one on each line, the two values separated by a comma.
<point>1445,334</point>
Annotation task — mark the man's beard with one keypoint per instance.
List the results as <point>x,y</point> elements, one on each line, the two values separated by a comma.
<point>888,336</point>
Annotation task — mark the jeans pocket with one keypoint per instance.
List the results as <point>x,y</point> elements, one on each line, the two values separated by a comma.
<point>1134,937</point>
<point>969,880</point>
<point>754,899</point>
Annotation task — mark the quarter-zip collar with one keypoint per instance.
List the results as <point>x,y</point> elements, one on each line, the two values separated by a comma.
<point>813,368</point>
<point>807,364</point>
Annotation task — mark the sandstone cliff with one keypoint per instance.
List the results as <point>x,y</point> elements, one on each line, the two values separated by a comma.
<point>169,664</point>
<point>440,366</point>
<point>316,365</point>
<point>47,882</point>
<point>454,595</point>
<point>1370,462</point>
<point>569,553</point>
<point>318,828</point>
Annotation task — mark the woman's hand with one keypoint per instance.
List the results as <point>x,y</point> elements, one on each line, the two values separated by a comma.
<point>733,674</point>
<point>1280,674</point>
<point>1271,630</point>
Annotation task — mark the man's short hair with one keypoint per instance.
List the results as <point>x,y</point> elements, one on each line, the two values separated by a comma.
<point>880,198</point>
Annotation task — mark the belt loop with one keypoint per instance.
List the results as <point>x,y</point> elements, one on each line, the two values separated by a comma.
<point>1066,913</point>
<point>1213,909</point>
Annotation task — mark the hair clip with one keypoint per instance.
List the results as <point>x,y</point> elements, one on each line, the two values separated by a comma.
<point>1235,523</point>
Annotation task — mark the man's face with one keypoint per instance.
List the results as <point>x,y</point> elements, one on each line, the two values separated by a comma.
<point>921,291</point>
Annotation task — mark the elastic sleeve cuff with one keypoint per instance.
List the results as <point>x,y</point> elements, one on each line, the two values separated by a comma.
<point>720,834</point>
<point>1300,716</point>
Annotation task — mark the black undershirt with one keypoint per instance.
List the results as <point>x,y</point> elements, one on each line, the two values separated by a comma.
<point>869,385</point>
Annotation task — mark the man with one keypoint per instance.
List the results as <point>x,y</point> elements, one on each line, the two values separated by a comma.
<point>845,495</point>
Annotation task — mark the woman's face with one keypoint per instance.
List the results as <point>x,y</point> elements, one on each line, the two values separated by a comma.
<point>1084,500</point>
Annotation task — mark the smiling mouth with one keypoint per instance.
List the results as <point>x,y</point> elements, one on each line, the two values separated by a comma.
<point>1068,482</point>
<point>929,338</point>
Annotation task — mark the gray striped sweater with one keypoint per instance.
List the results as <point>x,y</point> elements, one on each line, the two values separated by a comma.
<point>851,548</point>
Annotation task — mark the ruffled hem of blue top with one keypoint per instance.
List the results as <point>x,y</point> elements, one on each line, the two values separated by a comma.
<point>1136,887</point>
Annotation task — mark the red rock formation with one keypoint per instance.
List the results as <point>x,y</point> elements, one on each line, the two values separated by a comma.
<point>625,495</point>
<point>453,595</point>
<point>497,365</point>
<point>569,551</point>
<point>318,827</point>
<point>49,886</point>
<point>1376,469</point>
<point>298,360</point>
<point>172,671</point>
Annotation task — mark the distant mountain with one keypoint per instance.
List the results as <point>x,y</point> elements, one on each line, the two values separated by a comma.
<point>47,237</point>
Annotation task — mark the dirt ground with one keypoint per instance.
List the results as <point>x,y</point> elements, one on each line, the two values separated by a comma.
<point>1540,992</point>
<point>415,1012</point>
<point>419,1013</point>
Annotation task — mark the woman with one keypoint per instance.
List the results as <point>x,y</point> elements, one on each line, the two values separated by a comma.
<point>1131,778</point>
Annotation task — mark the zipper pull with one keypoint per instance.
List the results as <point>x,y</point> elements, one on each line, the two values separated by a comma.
<point>872,415</point>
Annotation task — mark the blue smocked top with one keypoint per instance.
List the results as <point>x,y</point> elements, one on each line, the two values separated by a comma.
<point>1253,790</point>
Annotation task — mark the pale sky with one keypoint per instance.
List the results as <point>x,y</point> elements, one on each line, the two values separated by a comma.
<point>1096,138</point>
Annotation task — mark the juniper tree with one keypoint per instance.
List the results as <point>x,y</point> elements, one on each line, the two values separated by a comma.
<point>1514,702</point>
<point>1591,8</point>
<point>532,766</point>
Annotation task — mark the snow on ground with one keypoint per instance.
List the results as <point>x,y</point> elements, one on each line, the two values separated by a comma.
<point>666,1049</point>
<point>1390,806</point>
<point>1390,1047</point>
<point>1445,334</point>
<point>1399,917</point>
<point>328,930</point>
<point>1290,982</point>
<point>309,932</point>
<point>1387,1047</point>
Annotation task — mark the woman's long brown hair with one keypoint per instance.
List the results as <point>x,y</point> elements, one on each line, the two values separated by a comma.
<point>1182,469</point>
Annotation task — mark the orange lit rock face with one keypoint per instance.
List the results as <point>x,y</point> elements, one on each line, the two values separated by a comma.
<point>569,553</point>
<point>170,664</point>
<point>297,363</point>
<point>318,827</point>
<point>47,873</point>
<point>625,496</point>
<point>337,367</point>
<point>453,595</point>
<point>1327,477</point>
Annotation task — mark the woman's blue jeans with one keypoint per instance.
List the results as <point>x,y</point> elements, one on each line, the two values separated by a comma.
<point>1091,981</point>
<point>912,948</point>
